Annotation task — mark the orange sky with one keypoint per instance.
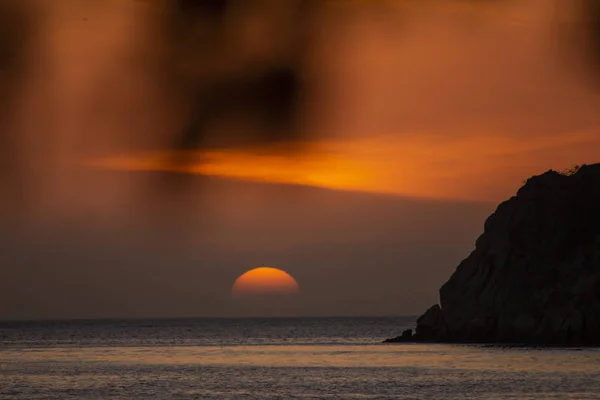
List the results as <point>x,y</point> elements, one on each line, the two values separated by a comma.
<point>435,99</point>
<point>464,101</point>
<point>439,99</point>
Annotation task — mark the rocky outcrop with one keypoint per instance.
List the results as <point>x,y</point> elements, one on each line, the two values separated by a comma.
<point>534,276</point>
<point>407,336</point>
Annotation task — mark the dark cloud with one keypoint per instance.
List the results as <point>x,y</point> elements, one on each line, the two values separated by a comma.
<point>17,27</point>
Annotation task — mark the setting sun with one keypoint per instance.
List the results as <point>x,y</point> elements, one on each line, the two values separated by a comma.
<point>264,281</point>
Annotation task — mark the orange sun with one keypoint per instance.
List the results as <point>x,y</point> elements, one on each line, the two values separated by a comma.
<point>264,281</point>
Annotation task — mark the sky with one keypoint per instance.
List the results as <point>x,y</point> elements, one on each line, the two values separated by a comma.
<point>417,119</point>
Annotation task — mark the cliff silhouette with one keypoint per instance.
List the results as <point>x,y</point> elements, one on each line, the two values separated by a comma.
<point>534,276</point>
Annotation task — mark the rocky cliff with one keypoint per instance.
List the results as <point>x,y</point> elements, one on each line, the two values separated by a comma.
<point>534,276</point>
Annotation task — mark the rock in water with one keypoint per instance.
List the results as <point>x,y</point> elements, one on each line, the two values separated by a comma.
<point>534,276</point>
<point>407,336</point>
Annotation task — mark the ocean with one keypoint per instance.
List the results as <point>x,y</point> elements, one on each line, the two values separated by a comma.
<point>277,358</point>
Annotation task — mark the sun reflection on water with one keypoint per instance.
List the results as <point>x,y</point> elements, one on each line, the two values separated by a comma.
<point>349,356</point>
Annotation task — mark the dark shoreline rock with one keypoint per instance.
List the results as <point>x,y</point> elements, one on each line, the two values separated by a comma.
<point>407,336</point>
<point>534,276</point>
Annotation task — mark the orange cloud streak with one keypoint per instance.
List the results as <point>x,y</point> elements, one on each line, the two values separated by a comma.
<point>474,167</point>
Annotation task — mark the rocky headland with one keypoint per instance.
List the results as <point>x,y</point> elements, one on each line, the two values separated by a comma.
<point>534,276</point>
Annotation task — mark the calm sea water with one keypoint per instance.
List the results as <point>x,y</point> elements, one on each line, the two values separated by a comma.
<point>320,358</point>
